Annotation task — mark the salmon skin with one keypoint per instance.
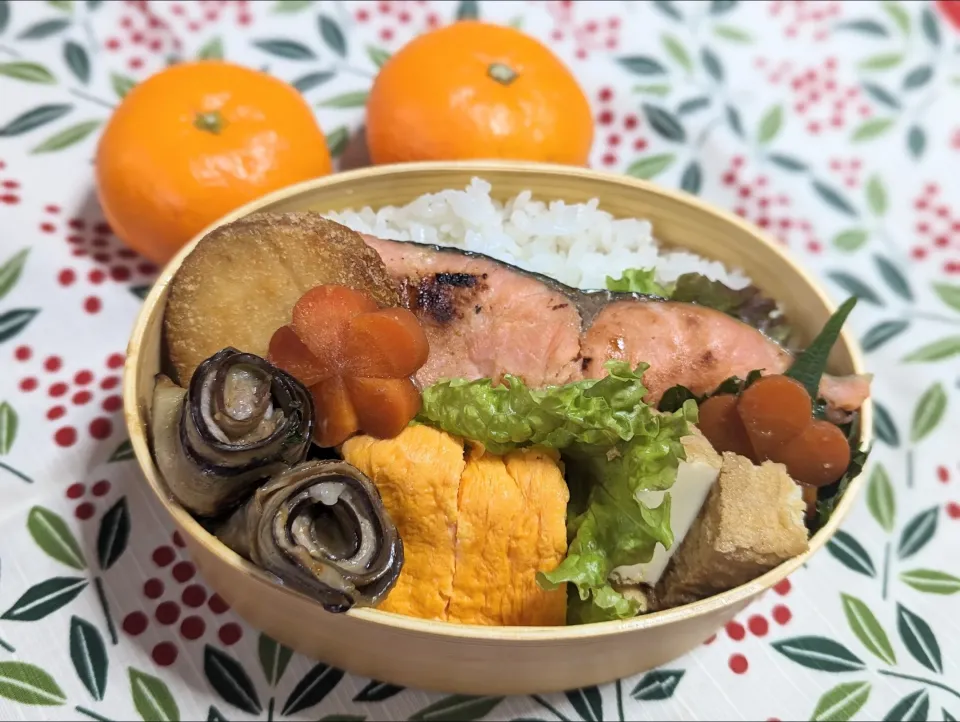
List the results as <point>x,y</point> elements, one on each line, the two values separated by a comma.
<point>485,318</point>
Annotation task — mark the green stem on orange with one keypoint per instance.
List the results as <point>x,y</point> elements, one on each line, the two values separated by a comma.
<point>502,73</point>
<point>211,122</point>
<point>921,680</point>
<point>16,473</point>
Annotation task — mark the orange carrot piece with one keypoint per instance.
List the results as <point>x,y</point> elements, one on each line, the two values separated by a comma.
<point>775,409</point>
<point>321,318</point>
<point>721,424</point>
<point>336,418</point>
<point>287,352</point>
<point>384,406</point>
<point>818,456</point>
<point>385,344</point>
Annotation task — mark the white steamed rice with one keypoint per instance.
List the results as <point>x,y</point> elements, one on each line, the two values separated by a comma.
<point>578,244</point>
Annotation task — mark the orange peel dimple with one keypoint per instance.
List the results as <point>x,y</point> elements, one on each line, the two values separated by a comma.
<point>357,360</point>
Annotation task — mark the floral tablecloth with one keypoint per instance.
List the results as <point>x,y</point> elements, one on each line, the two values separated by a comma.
<point>833,125</point>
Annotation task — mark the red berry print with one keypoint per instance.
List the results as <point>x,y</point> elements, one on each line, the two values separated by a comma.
<point>111,382</point>
<point>135,623</point>
<point>194,596</point>
<point>163,556</point>
<point>781,615</point>
<point>164,654</point>
<point>230,633</point>
<point>183,571</point>
<point>81,397</point>
<point>937,224</point>
<point>101,488</point>
<point>58,389</point>
<point>101,428</point>
<point>192,628</point>
<point>584,36</point>
<point>29,384</point>
<point>943,474</point>
<point>153,589</point>
<point>710,640</point>
<point>953,510</point>
<point>806,18</point>
<point>735,631</point>
<point>92,304</point>
<point>66,436</point>
<point>178,540</point>
<point>115,361</point>
<point>783,588</point>
<point>738,664</point>
<point>819,99</point>
<point>168,613</point>
<point>75,491</point>
<point>52,364</point>
<point>22,353</point>
<point>83,378</point>
<point>217,605</point>
<point>758,626</point>
<point>112,403</point>
<point>84,511</point>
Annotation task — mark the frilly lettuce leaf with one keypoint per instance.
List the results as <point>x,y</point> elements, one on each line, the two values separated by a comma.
<point>639,280</point>
<point>615,445</point>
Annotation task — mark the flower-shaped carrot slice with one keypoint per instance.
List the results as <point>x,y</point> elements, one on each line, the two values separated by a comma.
<point>357,360</point>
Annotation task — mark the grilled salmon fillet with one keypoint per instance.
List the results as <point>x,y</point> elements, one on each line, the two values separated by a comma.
<point>485,318</point>
<point>476,528</point>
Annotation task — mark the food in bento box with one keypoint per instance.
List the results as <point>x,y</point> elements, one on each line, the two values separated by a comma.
<point>504,443</point>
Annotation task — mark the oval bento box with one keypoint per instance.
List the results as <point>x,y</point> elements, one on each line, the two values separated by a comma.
<point>480,659</point>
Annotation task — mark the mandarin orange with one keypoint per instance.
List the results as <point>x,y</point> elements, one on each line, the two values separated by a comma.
<point>196,141</point>
<point>475,90</point>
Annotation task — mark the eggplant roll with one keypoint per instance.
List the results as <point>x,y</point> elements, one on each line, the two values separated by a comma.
<point>322,529</point>
<point>242,420</point>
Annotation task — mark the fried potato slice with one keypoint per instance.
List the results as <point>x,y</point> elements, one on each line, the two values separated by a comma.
<point>240,283</point>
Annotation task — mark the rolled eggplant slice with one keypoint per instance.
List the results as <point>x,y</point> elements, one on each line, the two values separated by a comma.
<point>241,421</point>
<point>322,529</point>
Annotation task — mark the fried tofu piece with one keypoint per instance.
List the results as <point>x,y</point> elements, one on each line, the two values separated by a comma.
<point>418,476</point>
<point>751,522</point>
<point>512,524</point>
<point>240,283</point>
<point>476,529</point>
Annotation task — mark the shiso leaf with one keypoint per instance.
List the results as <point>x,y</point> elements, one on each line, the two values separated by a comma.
<point>809,365</point>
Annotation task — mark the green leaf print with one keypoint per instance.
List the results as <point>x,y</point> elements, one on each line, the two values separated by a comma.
<point>855,287</point>
<point>794,165</point>
<point>918,532</point>
<point>664,123</point>
<point>211,50</point>
<point>355,99</point>
<point>659,684</point>
<point>28,72</point>
<point>458,708</point>
<point>377,692</point>
<point>928,412</point>
<point>77,60</point>
<point>719,7</point>
<point>152,698</point>
<point>916,141</point>
<point>884,61</point>
<point>8,427</point>
<point>337,141</point>
<point>876,196</point>
<point>121,84</point>
<point>884,426</point>
<point>668,8</point>
<point>657,89</point>
<point>67,137</point>
<point>898,14</point>
<point>820,653</point>
<point>849,552</point>
<point>288,49</point>
<point>894,277</point>
<point>692,178</point>
<point>948,293</point>
<point>871,129</point>
<point>54,537</point>
<point>44,29</point>
<point>931,26</point>
<point>65,5</point>
<point>884,331</point>
<point>733,120</point>
<point>936,351</point>
<point>89,656</point>
<point>918,77</point>
<point>468,10</point>
<point>229,679</point>
<point>4,14</point>
<point>711,63</point>
<point>332,35</point>
<point>378,56</point>
<point>312,689</point>
<point>274,658</point>
<point>733,34</point>
<point>28,684</point>
<point>867,27</point>
<point>312,80</point>
<point>880,498</point>
<point>45,598</point>
<point>864,624</point>
<point>587,702</point>
<point>677,52</point>
<point>931,581</point>
<point>770,124</point>
<point>650,166</point>
<point>919,639</point>
<point>881,95</point>
<point>832,198</point>
<point>124,452</point>
<point>291,6</point>
<point>113,534</point>
<point>913,708</point>
<point>642,65</point>
<point>34,118</point>
<point>692,105</point>
<point>842,702</point>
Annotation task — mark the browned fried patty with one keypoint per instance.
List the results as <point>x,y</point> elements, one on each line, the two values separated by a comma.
<point>240,283</point>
